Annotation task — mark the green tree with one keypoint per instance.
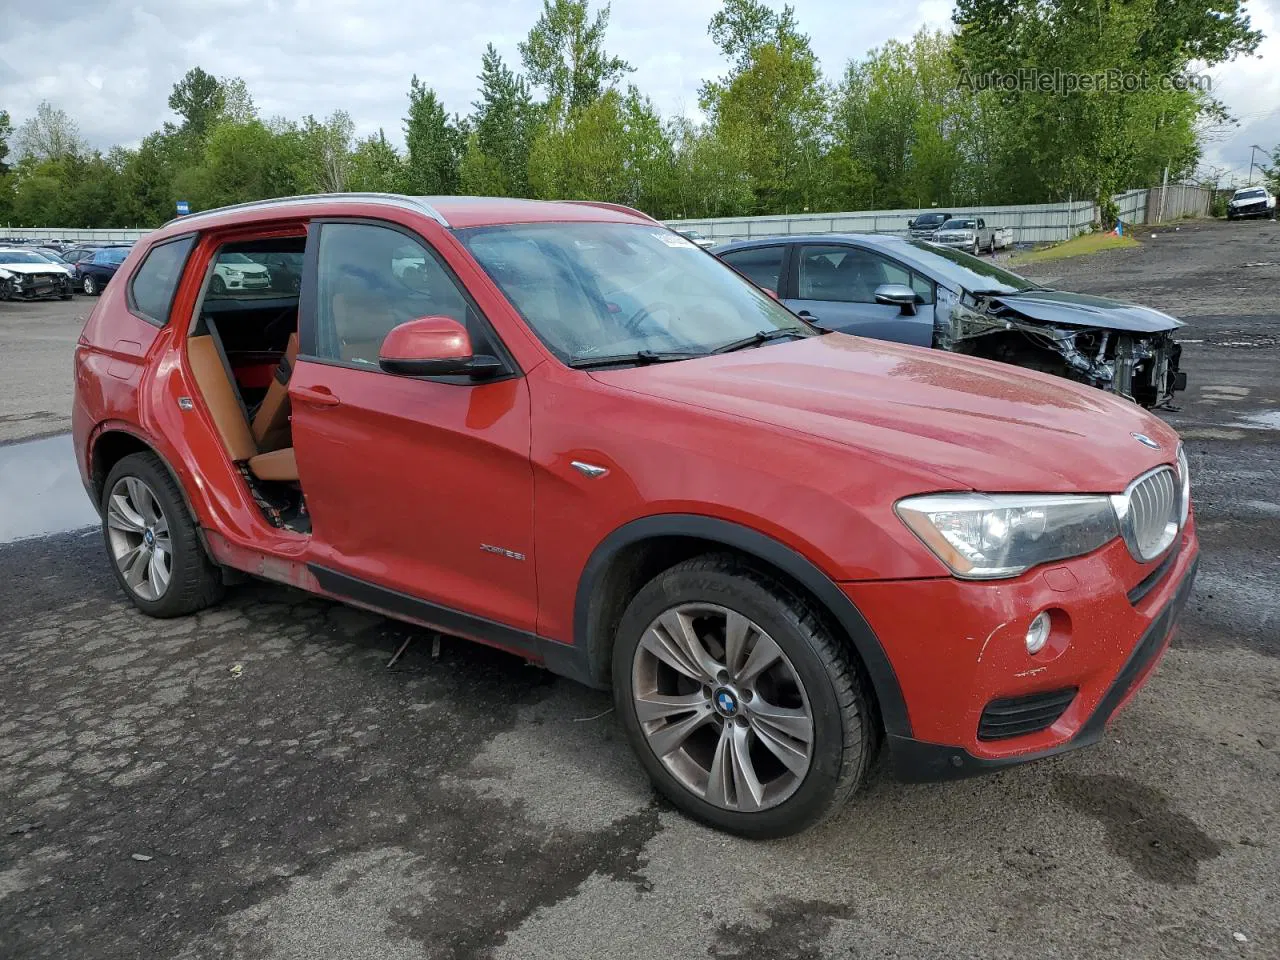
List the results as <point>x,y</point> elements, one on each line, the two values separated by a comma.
<point>375,166</point>
<point>434,144</point>
<point>564,55</point>
<point>326,153</point>
<point>146,197</point>
<point>6,131</point>
<point>199,99</point>
<point>1093,142</point>
<point>49,135</point>
<point>773,102</point>
<point>496,162</point>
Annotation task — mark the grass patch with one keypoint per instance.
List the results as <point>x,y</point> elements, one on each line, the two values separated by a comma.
<point>1079,246</point>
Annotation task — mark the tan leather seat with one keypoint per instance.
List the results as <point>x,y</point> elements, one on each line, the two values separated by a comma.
<point>362,318</point>
<point>277,465</point>
<point>271,423</point>
<point>213,377</point>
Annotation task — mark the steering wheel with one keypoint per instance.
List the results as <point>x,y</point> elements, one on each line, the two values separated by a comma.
<point>635,322</point>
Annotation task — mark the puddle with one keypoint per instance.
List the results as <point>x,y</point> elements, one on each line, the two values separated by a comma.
<point>1262,421</point>
<point>40,490</point>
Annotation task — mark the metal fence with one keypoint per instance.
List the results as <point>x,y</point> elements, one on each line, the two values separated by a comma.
<point>59,233</point>
<point>1030,223</point>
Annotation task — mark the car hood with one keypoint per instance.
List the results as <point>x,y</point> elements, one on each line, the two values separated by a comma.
<point>1083,310</point>
<point>34,267</point>
<point>971,423</point>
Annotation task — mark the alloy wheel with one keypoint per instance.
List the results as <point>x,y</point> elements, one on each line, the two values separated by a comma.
<point>722,706</point>
<point>89,287</point>
<point>138,532</point>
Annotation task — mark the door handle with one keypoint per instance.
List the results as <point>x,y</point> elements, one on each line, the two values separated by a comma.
<point>316,397</point>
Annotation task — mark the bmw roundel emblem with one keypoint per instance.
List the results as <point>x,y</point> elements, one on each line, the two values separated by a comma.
<point>1143,439</point>
<point>726,703</point>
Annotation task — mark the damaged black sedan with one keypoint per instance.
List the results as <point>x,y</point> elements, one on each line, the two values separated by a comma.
<point>913,291</point>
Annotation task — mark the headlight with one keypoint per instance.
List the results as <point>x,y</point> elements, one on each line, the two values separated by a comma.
<point>1184,474</point>
<point>989,536</point>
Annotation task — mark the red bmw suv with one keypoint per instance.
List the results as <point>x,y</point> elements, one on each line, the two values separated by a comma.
<point>566,431</point>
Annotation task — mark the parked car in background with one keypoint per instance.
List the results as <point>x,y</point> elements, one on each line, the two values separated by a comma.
<point>695,236</point>
<point>6,284</point>
<point>35,276</point>
<point>72,255</point>
<point>1251,202</point>
<point>926,225</point>
<point>572,435</point>
<point>95,271</point>
<point>917,292</point>
<point>966,233</point>
<point>237,273</point>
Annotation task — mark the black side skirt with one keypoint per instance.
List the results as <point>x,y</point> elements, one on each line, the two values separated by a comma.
<point>559,658</point>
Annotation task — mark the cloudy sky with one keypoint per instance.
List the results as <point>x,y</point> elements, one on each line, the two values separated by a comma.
<point>112,63</point>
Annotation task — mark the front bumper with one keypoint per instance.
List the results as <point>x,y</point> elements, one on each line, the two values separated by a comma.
<point>1253,210</point>
<point>958,648</point>
<point>41,288</point>
<point>956,243</point>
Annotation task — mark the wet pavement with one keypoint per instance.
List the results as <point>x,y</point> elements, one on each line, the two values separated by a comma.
<point>40,487</point>
<point>254,782</point>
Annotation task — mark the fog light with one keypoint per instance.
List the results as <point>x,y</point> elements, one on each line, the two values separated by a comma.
<point>1038,633</point>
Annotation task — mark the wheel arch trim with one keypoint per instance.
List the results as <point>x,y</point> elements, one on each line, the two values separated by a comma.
<point>110,426</point>
<point>597,648</point>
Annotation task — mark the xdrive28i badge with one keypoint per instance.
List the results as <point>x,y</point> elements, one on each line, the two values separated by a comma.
<point>1145,440</point>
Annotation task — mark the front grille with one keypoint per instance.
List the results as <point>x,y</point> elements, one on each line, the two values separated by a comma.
<point>1016,716</point>
<point>1153,513</point>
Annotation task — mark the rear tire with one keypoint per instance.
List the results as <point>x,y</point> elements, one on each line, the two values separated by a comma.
<point>89,286</point>
<point>152,542</point>
<point>796,736</point>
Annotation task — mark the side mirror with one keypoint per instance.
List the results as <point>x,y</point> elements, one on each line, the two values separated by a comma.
<point>432,347</point>
<point>897,295</point>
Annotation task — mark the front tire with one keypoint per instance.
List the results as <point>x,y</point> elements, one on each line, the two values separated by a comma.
<point>152,542</point>
<point>743,707</point>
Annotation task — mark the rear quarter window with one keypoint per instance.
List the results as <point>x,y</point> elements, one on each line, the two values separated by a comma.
<point>151,289</point>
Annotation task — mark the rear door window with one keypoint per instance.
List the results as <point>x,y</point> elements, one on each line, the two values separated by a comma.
<point>152,287</point>
<point>761,265</point>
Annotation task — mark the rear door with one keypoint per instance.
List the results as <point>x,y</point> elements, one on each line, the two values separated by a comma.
<point>420,486</point>
<point>835,283</point>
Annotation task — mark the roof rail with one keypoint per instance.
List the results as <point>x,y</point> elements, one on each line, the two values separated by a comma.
<point>618,207</point>
<point>397,199</point>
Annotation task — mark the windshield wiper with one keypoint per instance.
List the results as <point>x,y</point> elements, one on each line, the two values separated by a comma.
<point>639,358</point>
<point>757,338</point>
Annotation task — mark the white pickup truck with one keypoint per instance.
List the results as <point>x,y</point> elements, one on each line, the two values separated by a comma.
<point>972,235</point>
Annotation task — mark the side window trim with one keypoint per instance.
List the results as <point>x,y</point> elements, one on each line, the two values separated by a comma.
<point>132,303</point>
<point>308,304</point>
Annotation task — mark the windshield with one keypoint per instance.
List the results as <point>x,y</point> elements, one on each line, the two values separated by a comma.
<point>1249,194</point>
<point>968,272</point>
<point>958,225</point>
<point>930,219</point>
<point>591,290</point>
<point>22,256</point>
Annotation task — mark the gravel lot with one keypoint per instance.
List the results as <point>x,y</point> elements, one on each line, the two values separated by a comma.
<point>254,782</point>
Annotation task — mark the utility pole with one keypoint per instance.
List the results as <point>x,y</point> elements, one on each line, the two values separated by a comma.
<point>1253,149</point>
